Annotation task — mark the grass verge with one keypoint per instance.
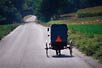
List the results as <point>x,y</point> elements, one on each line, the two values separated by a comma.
<point>91,45</point>
<point>5,29</point>
<point>87,38</point>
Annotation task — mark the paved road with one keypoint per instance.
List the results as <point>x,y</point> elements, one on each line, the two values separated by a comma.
<point>24,48</point>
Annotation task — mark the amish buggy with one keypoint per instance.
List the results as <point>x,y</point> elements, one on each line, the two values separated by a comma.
<point>58,36</point>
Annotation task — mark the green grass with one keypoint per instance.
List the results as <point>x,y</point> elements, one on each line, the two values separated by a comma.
<point>5,29</point>
<point>90,45</point>
<point>87,38</point>
<point>87,28</point>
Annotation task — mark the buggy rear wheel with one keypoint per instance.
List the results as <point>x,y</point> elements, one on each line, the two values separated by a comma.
<point>46,50</point>
<point>70,51</point>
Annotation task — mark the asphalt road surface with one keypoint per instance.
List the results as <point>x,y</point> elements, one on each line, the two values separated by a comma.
<point>24,48</point>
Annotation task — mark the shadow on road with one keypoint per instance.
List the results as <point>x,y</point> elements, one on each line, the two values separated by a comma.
<point>62,56</point>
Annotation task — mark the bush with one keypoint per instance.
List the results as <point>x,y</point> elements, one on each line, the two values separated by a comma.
<point>98,54</point>
<point>90,49</point>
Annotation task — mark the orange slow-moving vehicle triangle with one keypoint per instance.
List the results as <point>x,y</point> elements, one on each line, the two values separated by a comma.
<point>58,39</point>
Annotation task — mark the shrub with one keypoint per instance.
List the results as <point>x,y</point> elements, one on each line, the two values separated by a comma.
<point>98,54</point>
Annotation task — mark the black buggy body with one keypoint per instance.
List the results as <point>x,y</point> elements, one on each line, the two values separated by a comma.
<point>59,36</point>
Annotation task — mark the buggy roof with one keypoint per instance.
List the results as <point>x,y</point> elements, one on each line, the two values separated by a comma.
<point>59,27</point>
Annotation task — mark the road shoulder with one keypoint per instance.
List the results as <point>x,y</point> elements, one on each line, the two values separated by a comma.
<point>92,62</point>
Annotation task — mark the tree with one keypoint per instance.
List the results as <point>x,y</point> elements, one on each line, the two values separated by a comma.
<point>51,8</point>
<point>18,4</point>
<point>14,10</point>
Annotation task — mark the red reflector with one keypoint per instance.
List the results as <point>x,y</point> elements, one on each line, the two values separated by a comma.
<point>58,39</point>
